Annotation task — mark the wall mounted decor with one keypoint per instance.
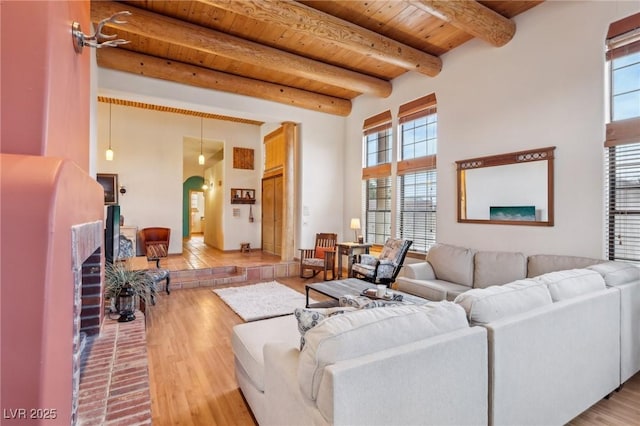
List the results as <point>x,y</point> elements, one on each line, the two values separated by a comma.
<point>243,158</point>
<point>243,196</point>
<point>515,188</point>
<point>109,182</point>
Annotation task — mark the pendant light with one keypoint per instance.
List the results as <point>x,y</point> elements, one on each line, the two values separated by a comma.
<point>201,156</point>
<point>109,153</point>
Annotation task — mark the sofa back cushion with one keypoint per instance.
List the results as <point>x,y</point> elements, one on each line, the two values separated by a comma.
<point>617,273</point>
<point>452,263</point>
<point>571,283</point>
<point>539,264</point>
<point>367,331</point>
<point>484,305</point>
<point>498,267</point>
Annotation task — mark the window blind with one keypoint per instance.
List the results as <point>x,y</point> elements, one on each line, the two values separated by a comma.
<point>622,144</point>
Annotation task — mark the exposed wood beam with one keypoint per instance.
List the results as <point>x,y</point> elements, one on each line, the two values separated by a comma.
<point>150,66</point>
<point>314,23</point>
<point>472,18</point>
<point>143,23</point>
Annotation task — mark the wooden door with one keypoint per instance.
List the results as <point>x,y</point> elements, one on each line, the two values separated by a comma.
<point>272,215</point>
<point>278,212</point>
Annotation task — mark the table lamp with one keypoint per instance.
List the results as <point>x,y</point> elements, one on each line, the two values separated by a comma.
<point>355,225</point>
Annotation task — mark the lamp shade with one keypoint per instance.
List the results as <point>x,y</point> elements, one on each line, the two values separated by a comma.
<point>355,223</point>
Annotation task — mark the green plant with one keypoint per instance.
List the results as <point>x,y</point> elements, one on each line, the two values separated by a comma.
<point>118,274</point>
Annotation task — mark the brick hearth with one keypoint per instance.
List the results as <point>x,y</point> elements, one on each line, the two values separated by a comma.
<point>114,378</point>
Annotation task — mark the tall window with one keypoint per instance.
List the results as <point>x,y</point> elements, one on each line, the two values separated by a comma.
<point>376,175</point>
<point>623,140</point>
<point>417,173</point>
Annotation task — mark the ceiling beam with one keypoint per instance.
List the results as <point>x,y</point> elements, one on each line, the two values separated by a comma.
<point>150,66</point>
<point>472,18</point>
<point>314,23</point>
<point>150,25</point>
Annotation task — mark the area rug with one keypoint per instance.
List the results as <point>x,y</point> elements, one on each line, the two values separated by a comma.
<point>260,301</point>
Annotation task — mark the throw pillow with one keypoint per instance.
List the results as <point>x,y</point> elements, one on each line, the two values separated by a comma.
<point>156,250</point>
<point>363,302</point>
<point>320,251</point>
<point>309,318</point>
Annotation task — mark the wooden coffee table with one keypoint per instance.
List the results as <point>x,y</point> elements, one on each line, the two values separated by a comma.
<point>351,286</point>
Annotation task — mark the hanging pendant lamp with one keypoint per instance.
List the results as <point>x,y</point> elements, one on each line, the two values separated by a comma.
<point>109,152</point>
<point>201,156</point>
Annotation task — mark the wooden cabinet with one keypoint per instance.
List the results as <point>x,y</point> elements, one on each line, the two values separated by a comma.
<point>131,232</point>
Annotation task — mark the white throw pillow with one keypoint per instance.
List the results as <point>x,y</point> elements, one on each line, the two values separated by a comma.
<point>571,283</point>
<point>366,331</point>
<point>617,273</point>
<point>484,305</point>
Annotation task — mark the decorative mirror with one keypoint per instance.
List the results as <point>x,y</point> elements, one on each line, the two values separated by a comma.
<point>508,189</point>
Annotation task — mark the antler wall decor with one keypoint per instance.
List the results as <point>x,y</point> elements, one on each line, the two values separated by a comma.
<point>98,39</point>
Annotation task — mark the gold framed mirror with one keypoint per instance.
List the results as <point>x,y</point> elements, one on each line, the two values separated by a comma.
<point>515,188</point>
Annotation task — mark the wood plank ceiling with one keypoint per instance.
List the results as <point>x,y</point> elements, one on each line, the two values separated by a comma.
<point>312,54</point>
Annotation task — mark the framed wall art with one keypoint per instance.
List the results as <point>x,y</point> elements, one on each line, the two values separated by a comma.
<point>109,182</point>
<point>243,196</point>
<point>243,158</point>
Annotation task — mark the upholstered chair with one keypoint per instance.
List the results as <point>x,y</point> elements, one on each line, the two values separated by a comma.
<point>385,268</point>
<point>125,251</point>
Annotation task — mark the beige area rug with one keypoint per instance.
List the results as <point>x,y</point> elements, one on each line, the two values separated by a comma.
<point>263,300</point>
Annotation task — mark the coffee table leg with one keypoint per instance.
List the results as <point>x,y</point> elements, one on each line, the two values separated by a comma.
<point>307,292</point>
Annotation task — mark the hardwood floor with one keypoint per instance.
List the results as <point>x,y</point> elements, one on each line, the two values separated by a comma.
<point>192,373</point>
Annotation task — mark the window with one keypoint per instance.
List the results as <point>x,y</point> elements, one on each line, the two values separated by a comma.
<point>623,141</point>
<point>417,210</point>
<point>417,173</point>
<point>378,141</point>
<point>378,210</point>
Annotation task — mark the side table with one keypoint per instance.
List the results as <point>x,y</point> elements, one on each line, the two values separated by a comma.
<point>350,250</point>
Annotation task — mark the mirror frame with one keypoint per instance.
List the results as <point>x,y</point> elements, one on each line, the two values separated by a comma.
<point>541,154</point>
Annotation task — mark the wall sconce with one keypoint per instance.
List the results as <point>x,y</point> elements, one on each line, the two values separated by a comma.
<point>355,225</point>
<point>98,39</point>
<point>123,190</point>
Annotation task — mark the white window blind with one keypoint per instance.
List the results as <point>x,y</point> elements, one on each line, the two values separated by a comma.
<point>376,176</point>
<point>416,180</point>
<point>622,145</point>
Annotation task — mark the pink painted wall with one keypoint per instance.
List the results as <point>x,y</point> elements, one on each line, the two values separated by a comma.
<point>45,189</point>
<point>45,83</point>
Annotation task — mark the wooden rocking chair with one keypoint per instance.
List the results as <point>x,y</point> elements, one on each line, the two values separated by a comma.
<point>321,257</point>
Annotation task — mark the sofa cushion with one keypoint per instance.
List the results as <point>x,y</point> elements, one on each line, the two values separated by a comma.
<point>484,305</point>
<point>617,273</point>
<point>498,267</point>
<point>366,331</point>
<point>452,263</point>
<point>248,339</point>
<point>571,283</point>
<point>309,318</point>
<point>539,264</point>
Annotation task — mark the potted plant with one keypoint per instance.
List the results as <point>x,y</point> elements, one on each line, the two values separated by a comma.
<point>119,274</point>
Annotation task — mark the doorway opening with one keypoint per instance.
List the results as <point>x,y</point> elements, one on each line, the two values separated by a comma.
<point>196,213</point>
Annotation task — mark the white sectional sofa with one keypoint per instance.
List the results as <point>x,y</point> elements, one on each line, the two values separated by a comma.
<point>358,368</point>
<point>554,345</point>
<point>531,351</point>
<point>450,270</point>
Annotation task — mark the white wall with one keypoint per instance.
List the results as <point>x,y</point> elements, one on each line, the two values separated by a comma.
<point>544,88</point>
<point>320,151</point>
<point>148,148</point>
